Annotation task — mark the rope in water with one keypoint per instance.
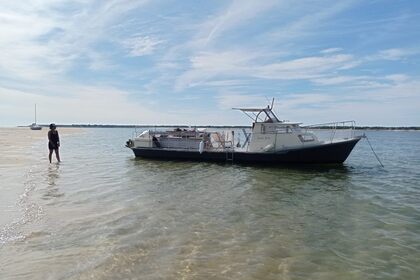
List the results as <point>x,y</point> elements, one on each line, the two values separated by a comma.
<point>374,151</point>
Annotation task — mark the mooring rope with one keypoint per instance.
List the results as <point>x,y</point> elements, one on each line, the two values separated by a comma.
<point>373,151</point>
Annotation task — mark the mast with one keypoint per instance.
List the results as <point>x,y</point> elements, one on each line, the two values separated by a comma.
<point>35,113</point>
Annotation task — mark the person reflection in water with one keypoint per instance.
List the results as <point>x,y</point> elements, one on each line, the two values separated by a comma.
<point>53,142</point>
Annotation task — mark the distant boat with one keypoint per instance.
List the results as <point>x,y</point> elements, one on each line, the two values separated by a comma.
<point>34,126</point>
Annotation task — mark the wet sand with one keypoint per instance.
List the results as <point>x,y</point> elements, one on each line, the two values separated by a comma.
<point>15,143</point>
<point>19,153</point>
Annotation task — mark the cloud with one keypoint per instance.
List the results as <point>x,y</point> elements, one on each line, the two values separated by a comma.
<point>303,19</point>
<point>397,78</point>
<point>141,45</point>
<point>361,81</point>
<point>241,63</point>
<point>85,104</point>
<point>54,43</point>
<point>208,65</point>
<point>393,54</point>
<point>368,106</point>
<point>339,80</point>
<point>331,50</point>
<point>303,68</point>
<point>390,106</point>
<point>238,13</point>
<point>229,100</point>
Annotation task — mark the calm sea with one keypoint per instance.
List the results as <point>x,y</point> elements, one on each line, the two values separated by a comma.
<point>102,214</point>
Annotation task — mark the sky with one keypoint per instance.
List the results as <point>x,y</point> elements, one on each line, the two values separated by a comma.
<point>189,62</point>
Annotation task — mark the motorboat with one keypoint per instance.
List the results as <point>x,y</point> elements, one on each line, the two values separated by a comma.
<point>269,140</point>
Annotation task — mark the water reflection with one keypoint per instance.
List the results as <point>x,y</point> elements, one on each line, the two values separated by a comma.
<point>323,168</point>
<point>53,175</point>
<point>332,177</point>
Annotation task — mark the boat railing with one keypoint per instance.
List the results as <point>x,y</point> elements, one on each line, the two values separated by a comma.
<point>191,144</point>
<point>222,146</point>
<point>332,131</point>
<point>134,133</point>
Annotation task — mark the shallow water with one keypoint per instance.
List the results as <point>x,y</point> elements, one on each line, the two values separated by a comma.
<point>102,214</point>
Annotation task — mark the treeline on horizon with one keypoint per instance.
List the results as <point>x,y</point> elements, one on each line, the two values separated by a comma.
<point>227,126</point>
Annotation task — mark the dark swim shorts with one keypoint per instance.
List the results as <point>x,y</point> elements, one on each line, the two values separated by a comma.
<point>52,146</point>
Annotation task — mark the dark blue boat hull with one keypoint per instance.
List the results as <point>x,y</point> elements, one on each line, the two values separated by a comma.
<point>326,153</point>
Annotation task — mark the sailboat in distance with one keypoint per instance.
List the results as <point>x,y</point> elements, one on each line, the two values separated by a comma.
<point>34,126</point>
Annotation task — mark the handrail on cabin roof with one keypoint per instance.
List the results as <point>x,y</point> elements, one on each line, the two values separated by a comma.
<point>256,113</point>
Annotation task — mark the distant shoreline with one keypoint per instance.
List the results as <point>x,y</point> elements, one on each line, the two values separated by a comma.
<point>214,126</point>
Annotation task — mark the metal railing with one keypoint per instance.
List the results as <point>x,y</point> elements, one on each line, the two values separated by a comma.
<point>191,144</point>
<point>331,131</point>
<point>176,143</point>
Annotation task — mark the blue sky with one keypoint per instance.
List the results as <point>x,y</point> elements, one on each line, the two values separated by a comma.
<point>190,62</point>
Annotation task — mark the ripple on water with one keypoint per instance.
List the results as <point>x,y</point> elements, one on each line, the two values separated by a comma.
<point>30,211</point>
<point>106,215</point>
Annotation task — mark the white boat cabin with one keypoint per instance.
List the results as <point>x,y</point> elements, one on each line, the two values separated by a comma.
<point>269,134</point>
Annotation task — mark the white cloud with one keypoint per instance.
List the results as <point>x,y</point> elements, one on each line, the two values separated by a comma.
<point>305,18</point>
<point>238,13</point>
<point>390,105</point>
<point>366,82</point>
<point>338,80</point>
<point>207,66</point>
<point>305,100</point>
<point>331,50</point>
<point>36,46</point>
<point>397,78</point>
<point>392,54</point>
<point>303,68</point>
<point>229,100</point>
<point>141,45</point>
<point>395,54</point>
<point>85,104</point>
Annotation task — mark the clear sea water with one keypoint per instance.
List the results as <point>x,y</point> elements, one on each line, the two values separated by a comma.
<point>102,214</point>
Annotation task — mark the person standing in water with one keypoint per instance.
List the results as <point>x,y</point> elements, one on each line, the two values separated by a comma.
<point>53,142</point>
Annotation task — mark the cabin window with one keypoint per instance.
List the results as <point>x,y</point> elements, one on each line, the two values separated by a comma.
<point>284,129</point>
<point>306,138</point>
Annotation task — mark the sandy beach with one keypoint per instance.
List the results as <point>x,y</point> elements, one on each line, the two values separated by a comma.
<point>16,142</point>
<point>21,150</point>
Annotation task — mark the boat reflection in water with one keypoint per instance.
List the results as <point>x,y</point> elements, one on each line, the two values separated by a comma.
<point>270,141</point>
